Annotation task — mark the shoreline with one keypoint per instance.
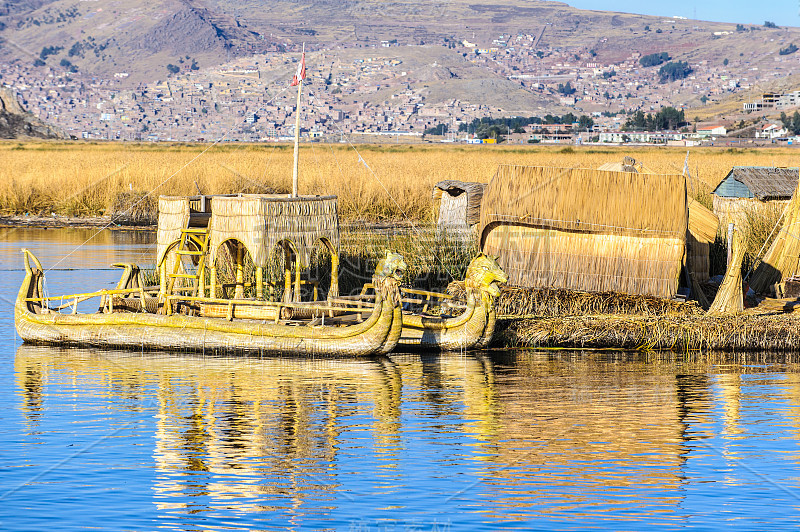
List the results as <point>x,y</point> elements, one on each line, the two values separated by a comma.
<point>58,221</point>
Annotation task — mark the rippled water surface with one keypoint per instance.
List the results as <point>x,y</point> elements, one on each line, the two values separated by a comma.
<point>121,440</point>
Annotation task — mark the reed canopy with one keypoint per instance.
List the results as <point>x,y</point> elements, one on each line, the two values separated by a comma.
<point>584,229</point>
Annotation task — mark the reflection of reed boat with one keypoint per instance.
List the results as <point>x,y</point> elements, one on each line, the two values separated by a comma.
<point>125,321</point>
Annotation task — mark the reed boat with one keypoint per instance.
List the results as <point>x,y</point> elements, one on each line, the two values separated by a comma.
<point>133,316</point>
<point>450,322</point>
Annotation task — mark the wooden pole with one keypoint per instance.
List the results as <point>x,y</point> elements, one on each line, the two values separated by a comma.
<point>297,135</point>
<point>730,242</point>
<point>239,290</point>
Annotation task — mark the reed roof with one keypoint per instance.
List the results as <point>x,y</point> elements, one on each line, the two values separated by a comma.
<point>583,229</point>
<point>261,221</point>
<point>587,201</point>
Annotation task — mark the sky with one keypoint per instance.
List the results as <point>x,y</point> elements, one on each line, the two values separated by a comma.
<point>781,12</point>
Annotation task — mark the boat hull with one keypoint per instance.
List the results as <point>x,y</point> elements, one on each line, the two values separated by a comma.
<point>473,329</point>
<point>379,333</point>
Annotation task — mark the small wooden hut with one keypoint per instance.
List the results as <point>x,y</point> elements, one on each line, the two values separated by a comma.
<point>753,190</point>
<point>459,205</point>
<point>584,229</point>
<point>261,224</point>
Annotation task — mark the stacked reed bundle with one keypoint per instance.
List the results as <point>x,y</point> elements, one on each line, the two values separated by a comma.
<point>730,298</point>
<point>587,230</point>
<point>677,333</point>
<point>520,302</point>
<point>260,222</point>
<point>782,259</point>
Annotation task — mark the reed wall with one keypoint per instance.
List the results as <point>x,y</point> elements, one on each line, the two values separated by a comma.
<point>587,229</point>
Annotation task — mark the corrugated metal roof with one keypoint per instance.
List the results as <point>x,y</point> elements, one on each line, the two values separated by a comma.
<point>766,183</point>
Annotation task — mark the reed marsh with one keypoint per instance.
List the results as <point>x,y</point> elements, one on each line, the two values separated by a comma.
<point>373,182</point>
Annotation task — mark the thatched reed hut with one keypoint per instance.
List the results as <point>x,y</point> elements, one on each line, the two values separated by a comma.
<point>458,204</point>
<point>262,225</point>
<point>753,190</point>
<point>584,229</point>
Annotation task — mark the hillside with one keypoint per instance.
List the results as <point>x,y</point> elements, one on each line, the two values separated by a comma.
<point>15,123</point>
<point>133,43</point>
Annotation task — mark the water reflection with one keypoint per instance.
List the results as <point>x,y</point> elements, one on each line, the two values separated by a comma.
<point>501,437</point>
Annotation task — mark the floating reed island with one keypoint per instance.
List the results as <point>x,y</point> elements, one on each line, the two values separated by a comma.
<point>608,258</point>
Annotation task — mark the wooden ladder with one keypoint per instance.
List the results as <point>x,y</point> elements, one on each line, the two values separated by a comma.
<point>200,238</point>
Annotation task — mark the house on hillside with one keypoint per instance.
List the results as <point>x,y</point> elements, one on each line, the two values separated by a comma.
<point>771,131</point>
<point>748,189</point>
<point>711,130</point>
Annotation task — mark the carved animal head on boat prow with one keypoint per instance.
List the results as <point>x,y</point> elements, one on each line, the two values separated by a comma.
<point>483,273</point>
<point>388,274</point>
<point>392,265</point>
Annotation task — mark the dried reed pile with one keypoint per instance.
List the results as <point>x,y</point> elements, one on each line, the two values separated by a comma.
<point>519,302</point>
<point>676,333</point>
<point>588,230</point>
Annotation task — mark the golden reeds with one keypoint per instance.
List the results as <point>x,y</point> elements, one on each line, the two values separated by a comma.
<point>84,178</point>
<point>586,229</point>
<point>519,302</point>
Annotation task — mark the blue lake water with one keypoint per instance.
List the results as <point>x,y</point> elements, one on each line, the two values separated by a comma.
<point>562,440</point>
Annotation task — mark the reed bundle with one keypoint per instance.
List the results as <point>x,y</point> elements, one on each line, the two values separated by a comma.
<point>730,297</point>
<point>676,333</point>
<point>560,302</point>
<point>587,230</point>
<point>782,259</point>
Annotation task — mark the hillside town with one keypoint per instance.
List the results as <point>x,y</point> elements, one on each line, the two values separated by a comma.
<point>375,93</point>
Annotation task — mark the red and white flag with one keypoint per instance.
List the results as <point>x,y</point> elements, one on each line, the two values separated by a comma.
<point>300,75</point>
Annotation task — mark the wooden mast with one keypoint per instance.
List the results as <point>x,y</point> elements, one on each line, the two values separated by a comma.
<point>297,126</point>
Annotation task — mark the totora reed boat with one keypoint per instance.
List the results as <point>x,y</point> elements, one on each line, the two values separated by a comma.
<point>135,316</point>
<point>130,317</point>
<point>462,321</point>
